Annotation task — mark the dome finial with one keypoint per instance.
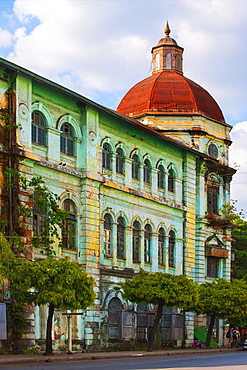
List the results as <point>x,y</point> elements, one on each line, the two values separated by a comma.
<point>167,29</point>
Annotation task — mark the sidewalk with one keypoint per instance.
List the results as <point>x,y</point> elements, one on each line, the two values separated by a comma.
<point>79,356</point>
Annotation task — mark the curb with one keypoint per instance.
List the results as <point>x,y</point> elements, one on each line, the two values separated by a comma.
<point>31,359</point>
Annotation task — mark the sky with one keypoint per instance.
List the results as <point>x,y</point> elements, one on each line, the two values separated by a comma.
<point>101,48</point>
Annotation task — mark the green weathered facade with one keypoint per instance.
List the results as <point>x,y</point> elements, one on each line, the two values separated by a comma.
<point>154,216</point>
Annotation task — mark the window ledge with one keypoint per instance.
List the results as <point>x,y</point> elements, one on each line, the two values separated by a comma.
<point>216,220</point>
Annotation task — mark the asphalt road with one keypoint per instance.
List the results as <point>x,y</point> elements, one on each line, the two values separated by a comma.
<point>219,361</point>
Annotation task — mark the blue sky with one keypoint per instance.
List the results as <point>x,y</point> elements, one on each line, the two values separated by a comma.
<point>101,48</point>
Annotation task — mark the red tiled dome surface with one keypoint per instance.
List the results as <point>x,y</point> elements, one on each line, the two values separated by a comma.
<point>169,93</point>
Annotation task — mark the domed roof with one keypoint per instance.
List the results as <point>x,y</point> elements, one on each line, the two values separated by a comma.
<point>169,93</point>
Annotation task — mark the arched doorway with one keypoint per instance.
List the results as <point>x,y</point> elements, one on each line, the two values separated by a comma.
<point>115,319</point>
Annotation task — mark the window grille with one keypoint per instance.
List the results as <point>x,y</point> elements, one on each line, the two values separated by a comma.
<point>147,171</point>
<point>161,176</point>
<point>106,156</point>
<point>135,167</point>
<point>212,198</point>
<point>147,244</point>
<point>69,226</point>
<point>171,249</point>
<point>107,234</point>
<point>161,243</point>
<point>212,267</point>
<point>213,150</point>
<point>120,238</point>
<point>171,181</point>
<point>136,241</point>
<point>38,129</point>
<point>119,161</point>
<point>67,140</point>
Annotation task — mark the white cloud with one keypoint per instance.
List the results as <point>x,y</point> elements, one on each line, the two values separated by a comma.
<point>238,159</point>
<point>102,48</point>
<point>5,38</point>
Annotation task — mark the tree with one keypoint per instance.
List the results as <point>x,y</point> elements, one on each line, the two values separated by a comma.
<point>162,290</point>
<point>222,299</point>
<point>239,248</point>
<point>59,283</point>
<point>17,284</point>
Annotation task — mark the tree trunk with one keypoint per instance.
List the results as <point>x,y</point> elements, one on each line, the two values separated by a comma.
<point>156,323</point>
<point>210,330</point>
<point>48,343</point>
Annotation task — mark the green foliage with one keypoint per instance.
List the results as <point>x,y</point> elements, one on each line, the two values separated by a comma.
<point>239,244</point>
<point>60,282</point>
<point>226,300</point>
<point>176,291</point>
<point>47,204</point>
<point>18,284</point>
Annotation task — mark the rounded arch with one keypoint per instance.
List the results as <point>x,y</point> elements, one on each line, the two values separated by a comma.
<point>122,215</point>
<point>172,228</point>
<point>149,222</point>
<point>122,147</point>
<point>172,167</point>
<point>136,219</point>
<point>67,118</point>
<point>110,212</point>
<point>162,163</point>
<point>135,152</point>
<point>67,195</point>
<point>112,293</point>
<point>41,108</point>
<point>107,140</point>
<point>163,226</point>
<point>147,157</point>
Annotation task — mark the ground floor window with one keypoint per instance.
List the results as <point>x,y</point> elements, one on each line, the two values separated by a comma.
<point>212,267</point>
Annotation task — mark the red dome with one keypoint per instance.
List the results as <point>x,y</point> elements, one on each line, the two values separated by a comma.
<point>169,93</point>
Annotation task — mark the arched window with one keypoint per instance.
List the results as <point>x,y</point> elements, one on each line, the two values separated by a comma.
<point>171,181</point>
<point>120,238</point>
<point>135,167</point>
<point>161,246</point>
<point>171,249</point>
<point>213,150</point>
<point>147,171</point>
<point>168,61</point>
<point>67,140</point>
<point>106,156</point>
<point>136,241</point>
<point>107,234</point>
<point>179,62</point>
<point>119,161</point>
<point>69,226</point>
<point>38,129</point>
<point>40,230</point>
<point>161,177</point>
<point>147,243</point>
<point>157,61</point>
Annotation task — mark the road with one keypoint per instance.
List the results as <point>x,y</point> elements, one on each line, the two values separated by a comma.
<point>219,361</point>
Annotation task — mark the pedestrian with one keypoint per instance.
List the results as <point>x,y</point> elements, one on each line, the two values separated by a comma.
<point>236,337</point>
<point>229,335</point>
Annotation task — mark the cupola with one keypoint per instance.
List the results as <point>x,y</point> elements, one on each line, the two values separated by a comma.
<point>167,55</point>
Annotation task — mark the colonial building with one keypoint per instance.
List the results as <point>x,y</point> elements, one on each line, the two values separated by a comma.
<point>146,187</point>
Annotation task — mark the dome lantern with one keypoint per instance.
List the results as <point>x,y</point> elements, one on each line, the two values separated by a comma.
<point>167,55</point>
